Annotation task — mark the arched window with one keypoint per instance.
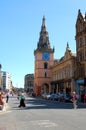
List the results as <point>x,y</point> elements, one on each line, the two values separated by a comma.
<point>45,65</point>
<point>45,75</point>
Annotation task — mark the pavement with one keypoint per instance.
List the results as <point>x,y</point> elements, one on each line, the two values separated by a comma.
<point>41,114</point>
<point>6,109</point>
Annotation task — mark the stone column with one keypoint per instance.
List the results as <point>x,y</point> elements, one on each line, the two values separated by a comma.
<point>57,88</point>
<point>73,85</point>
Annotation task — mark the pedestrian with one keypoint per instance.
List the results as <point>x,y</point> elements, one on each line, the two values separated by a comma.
<point>7,96</point>
<point>74,97</point>
<point>22,100</point>
<point>85,98</point>
<point>2,103</point>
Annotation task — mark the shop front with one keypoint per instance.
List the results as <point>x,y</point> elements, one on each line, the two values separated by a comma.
<point>81,89</point>
<point>61,86</point>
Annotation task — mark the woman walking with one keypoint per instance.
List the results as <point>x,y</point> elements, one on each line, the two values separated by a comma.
<point>74,100</point>
<point>2,103</point>
<point>22,100</point>
<point>7,96</point>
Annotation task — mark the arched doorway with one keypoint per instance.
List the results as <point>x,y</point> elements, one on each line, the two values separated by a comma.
<point>45,88</point>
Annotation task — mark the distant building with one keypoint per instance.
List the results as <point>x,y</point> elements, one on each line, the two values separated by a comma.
<point>6,80</point>
<point>29,82</point>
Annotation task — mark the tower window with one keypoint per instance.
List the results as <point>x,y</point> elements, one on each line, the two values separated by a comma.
<point>81,42</point>
<point>45,75</point>
<point>45,65</point>
<point>85,39</point>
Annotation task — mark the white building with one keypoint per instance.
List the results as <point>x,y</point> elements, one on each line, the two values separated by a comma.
<point>6,80</point>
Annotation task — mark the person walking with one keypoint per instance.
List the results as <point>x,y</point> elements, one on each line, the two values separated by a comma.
<point>85,98</point>
<point>22,100</point>
<point>74,97</point>
<point>2,103</point>
<point>7,96</point>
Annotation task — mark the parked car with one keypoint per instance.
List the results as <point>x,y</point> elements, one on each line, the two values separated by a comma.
<point>61,97</point>
<point>54,96</point>
<point>43,95</point>
<point>46,96</point>
<point>68,99</point>
<point>65,98</point>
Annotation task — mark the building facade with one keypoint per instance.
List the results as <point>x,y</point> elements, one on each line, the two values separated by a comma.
<point>66,74</point>
<point>0,77</point>
<point>63,78</point>
<point>6,81</point>
<point>43,61</point>
<point>80,38</point>
<point>29,82</point>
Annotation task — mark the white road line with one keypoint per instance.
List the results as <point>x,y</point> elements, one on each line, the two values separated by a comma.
<point>44,123</point>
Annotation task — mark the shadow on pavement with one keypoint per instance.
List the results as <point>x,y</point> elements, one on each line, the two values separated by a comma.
<point>34,103</point>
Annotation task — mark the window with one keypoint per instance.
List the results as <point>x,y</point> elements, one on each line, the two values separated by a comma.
<point>85,53</point>
<point>85,39</point>
<point>81,40</point>
<point>45,75</point>
<point>45,65</point>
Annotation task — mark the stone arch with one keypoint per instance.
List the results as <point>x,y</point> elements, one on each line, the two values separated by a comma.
<point>45,88</point>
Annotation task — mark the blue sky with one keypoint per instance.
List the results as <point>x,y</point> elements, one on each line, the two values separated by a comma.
<point>20,25</point>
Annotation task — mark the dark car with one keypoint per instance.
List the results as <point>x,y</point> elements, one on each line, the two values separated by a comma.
<point>65,98</point>
<point>68,98</point>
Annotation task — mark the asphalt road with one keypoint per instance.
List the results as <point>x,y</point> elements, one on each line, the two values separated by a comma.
<point>42,114</point>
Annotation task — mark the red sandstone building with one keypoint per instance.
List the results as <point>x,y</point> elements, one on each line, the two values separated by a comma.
<point>43,60</point>
<point>69,73</point>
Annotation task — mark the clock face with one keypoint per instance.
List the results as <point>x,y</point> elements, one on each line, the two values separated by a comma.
<point>45,56</point>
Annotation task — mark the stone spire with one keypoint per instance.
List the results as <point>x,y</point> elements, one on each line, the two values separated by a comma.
<point>43,27</point>
<point>44,38</point>
<point>67,45</point>
<point>80,16</point>
<point>0,66</point>
<point>85,15</point>
<point>68,48</point>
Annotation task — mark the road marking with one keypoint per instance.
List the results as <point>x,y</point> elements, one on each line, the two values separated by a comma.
<point>4,112</point>
<point>44,123</point>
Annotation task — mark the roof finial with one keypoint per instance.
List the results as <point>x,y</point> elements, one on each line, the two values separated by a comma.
<point>79,11</point>
<point>43,21</point>
<point>67,45</point>
<point>67,48</point>
<point>85,15</point>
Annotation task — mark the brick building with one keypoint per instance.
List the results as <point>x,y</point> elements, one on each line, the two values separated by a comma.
<point>80,38</point>
<point>43,60</point>
<point>66,74</point>
<point>28,82</point>
<point>63,73</point>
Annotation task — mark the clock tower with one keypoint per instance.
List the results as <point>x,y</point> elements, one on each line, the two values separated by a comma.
<point>43,61</point>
